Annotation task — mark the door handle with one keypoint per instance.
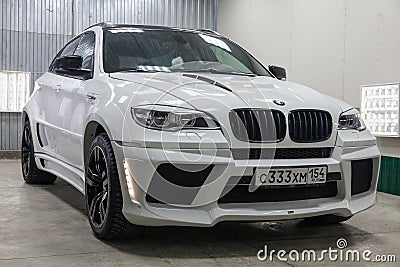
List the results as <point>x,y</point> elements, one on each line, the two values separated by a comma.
<point>57,87</point>
<point>91,98</point>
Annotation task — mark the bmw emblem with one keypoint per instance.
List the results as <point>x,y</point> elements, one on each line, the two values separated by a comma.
<point>279,102</point>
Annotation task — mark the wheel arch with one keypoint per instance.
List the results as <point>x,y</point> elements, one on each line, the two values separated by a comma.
<point>92,129</point>
<point>24,119</point>
<point>25,116</point>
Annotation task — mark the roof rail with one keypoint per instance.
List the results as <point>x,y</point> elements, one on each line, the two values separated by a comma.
<point>208,31</point>
<point>101,24</point>
<point>112,25</point>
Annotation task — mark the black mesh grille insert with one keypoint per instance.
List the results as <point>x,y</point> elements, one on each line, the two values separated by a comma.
<point>307,126</point>
<point>361,176</point>
<point>281,153</point>
<point>241,194</point>
<point>177,184</point>
<point>258,125</point>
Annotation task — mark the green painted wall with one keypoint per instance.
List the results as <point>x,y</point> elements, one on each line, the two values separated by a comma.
<point>389,178</point>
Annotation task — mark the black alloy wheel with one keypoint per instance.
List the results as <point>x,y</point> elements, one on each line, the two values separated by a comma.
<point>30,172</point>
<point>103,192</point>
<point>97,187</point>
<point>26,151</point>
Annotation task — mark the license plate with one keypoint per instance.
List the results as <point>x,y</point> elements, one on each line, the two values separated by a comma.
<point>291,176</point>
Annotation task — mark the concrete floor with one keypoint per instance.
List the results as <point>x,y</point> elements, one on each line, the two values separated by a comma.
<point>47,226</point>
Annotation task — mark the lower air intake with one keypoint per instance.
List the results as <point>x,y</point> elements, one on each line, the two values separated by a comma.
<point>361,176</point>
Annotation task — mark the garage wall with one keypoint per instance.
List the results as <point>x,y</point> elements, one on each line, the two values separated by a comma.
<point>32,31</point>
<point>331,46</point>
<point>10,136</point>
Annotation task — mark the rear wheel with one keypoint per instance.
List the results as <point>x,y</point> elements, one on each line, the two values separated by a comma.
<point>30,171</point>
<point>327,219</point>
<point>103,192</point>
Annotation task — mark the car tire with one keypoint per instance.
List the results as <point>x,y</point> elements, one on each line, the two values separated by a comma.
<point>327,219</point>
<point>103,192</point>
<point>30,171</point>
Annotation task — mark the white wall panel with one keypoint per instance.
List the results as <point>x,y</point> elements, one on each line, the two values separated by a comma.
<point>372,45</point>
<point>317,46</point>
<point>331,46</point>
<point>262,27</point>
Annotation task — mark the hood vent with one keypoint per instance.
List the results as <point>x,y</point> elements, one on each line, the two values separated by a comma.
<point>207,80</point>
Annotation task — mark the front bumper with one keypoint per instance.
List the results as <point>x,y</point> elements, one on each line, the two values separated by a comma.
<point>139,163</point>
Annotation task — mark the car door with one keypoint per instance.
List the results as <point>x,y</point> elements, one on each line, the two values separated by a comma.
<point>47,86</point>
<point>72,106</point>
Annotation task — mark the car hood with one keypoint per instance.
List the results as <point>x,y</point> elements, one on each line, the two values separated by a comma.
<point>234,91</point>
<point>218,94</point>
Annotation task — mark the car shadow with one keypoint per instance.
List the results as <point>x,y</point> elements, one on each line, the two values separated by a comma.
<point>224,240</point>
<point>68,194</point>
<point>235,239</point>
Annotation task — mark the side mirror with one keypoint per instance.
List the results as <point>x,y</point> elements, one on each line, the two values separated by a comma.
<point>72,66</point>
<point>70,63</point>
<point>278,72</point>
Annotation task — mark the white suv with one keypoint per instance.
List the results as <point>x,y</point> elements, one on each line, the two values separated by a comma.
<point>164,126</point>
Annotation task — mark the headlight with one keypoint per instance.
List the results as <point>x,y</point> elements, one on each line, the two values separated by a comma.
<point>351,120</point>
<point>172,118</point>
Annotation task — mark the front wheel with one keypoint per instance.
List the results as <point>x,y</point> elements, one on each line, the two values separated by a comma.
<point>103,192</point>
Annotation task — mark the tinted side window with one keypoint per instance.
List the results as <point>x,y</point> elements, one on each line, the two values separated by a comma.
<point>70,48</point>
<point>67,50</point>
<point>85,49</point>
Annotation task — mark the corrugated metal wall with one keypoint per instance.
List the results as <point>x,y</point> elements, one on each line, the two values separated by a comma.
<point>179,13</point>
<point>32,31</point>
<point>10,137</point>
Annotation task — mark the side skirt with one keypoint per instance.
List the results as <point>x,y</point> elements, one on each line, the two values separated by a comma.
<point>65,171</point>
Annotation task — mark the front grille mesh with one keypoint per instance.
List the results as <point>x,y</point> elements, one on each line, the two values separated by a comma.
<point>241,194</point>
<point>307,126</point>
<point>281,153</point>
<point>258,125</point>
<point>361,176</point>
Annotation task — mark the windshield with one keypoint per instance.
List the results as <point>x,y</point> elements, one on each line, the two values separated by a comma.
<point>130,49</point>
